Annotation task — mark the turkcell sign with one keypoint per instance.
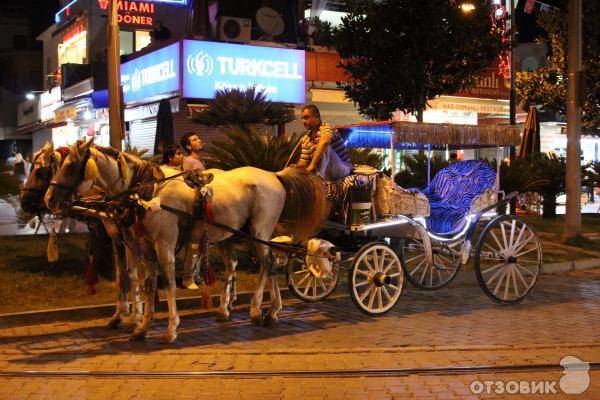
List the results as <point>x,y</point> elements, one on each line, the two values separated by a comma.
<point>210,66</point>
<point>151,75</point>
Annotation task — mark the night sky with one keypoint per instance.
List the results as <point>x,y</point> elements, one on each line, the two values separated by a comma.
<point>44,15</point>
<point>45,10</point>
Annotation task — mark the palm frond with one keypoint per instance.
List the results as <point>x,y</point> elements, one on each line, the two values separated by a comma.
<point>245,109</point>
<point>248,147</point>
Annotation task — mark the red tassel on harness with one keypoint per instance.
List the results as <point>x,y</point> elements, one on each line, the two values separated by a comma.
<point>91,276</point>
<point>208,211</point>
<point>138,227</point>
<point>206,299</point>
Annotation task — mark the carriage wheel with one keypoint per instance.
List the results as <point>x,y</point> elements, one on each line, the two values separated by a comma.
<point>306,285</point>
<point>376,279</point>
<point>508,259</point>
<point>446,263</point>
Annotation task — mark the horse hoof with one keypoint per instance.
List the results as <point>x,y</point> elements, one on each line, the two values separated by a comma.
<point>132,325</point>
<point>169,338</point>
<point>137,335</point>
<point>223,317</point>
<point>270,320</point>
<point>114,323</point>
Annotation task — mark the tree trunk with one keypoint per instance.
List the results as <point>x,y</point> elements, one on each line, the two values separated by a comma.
<point>420,115</point>
<point>549,207</point>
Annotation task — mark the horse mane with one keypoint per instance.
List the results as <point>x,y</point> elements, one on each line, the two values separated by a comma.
<point>305,203</point>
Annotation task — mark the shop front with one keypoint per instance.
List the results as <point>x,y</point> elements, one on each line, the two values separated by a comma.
<point>74,121</point>
<point>190,72</point>
<point>136,19</point>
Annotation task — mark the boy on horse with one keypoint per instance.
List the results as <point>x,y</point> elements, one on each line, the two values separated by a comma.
<point>323,148</point>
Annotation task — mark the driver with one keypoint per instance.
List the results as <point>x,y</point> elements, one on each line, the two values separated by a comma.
<point>323,148</point>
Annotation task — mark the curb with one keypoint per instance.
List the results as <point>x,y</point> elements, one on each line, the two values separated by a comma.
<point>243,299</point>
<point>107,310</point>
<point>469,278</point>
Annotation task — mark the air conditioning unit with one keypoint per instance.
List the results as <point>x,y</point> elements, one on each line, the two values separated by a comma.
<point>234,29</point>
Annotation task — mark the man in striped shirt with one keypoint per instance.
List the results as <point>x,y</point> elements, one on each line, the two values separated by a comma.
<point>323,148</point>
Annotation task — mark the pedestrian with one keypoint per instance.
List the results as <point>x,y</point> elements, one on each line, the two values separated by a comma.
<point>173,156</point>
<point>592,178</point>
<point>323,150</point>
<point>10,161</point>
<point>20,170</point>
<point>193,145</point>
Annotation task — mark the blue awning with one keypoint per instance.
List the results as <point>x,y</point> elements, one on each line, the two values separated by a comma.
<point>100,99</point>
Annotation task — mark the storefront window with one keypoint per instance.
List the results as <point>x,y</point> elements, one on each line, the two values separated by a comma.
<point>142,39</point>
<point>126,41</point>
<point>73,50</point>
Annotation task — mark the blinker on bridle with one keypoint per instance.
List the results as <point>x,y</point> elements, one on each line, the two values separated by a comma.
<point>82,173</point>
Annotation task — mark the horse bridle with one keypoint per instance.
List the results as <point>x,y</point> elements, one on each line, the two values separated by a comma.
<point>71,188</point>
<point>40,169</point>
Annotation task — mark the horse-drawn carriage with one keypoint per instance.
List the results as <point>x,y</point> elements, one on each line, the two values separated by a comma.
<point>423,235</point>
<point>384,233</point>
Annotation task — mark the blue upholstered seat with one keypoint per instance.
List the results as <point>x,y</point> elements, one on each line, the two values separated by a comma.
<point>452,190</point>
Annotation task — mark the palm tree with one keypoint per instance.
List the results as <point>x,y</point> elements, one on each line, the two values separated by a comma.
<point>414,174</point>
<point>366,157</point>
<point>242,147</point>
<point>244,109</point>
<point>553,170</point>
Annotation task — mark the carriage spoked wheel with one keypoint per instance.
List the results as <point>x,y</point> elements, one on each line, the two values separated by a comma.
<point>307,284</point>
<point>508,259</point>
<point>446,263</point>
<point>375,279</point>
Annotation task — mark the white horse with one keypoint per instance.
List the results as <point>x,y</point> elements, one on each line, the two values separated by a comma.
<point>45,164</point>
<point>244,198</point>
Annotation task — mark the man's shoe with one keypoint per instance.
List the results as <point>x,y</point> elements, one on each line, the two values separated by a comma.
<point>191,285</point>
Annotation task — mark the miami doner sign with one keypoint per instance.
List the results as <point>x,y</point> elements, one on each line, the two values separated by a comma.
<point>209,66</point>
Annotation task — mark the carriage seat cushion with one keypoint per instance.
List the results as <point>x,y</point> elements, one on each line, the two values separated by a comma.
<point>452,191</point>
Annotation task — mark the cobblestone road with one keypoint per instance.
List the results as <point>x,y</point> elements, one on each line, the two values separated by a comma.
<point>455,326</point>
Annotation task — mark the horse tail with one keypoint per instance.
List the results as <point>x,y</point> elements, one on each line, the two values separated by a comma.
<point>305,204</point>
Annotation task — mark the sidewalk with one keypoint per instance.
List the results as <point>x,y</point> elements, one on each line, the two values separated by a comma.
<point>243,298</point>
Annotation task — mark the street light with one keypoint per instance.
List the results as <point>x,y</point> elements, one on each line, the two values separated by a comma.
<point>31,94</point>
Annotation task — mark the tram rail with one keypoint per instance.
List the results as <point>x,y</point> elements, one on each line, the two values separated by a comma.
<point>318,373</point>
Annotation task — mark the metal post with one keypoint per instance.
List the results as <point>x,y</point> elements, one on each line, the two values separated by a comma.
<point>573,178</point>
<point>498,164</point>
<point>392,151</point>
<point>428,164</point>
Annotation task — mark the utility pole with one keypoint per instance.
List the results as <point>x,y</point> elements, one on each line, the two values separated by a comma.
<point>113,59</point>
<point>573,178</point>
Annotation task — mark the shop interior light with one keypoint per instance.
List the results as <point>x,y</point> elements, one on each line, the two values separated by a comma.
<point>74,39</point>
<point>87,114</point>
<point>467,7</point>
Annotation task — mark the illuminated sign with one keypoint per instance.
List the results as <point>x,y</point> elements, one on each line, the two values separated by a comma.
<point>76,29</point>
<point>151,75</point>
<point>210,66</point>
<point>132,12</point>
<point>65,114</point>
<point>50,101</point>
